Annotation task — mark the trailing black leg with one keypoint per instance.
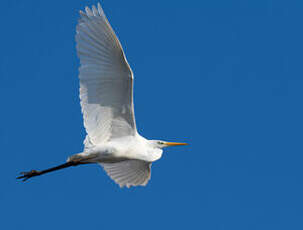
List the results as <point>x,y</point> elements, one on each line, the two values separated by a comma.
<point>26,175</point>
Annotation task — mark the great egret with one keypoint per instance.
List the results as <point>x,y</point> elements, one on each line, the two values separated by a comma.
<point>106,93</point>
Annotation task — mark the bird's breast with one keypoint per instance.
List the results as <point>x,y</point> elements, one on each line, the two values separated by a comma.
<point>130,148</point>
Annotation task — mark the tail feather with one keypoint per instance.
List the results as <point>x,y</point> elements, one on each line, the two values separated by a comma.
<point>82,157</point>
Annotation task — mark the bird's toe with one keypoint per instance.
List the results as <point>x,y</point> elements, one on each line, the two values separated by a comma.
<point>26,175</point>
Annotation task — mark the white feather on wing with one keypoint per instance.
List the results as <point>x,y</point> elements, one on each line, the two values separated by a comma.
<point>106,80</point>
<point>129,173</point>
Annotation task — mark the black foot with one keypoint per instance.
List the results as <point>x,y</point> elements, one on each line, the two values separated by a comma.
<point>26,175</point>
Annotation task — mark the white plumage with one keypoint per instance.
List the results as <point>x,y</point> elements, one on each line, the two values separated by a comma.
<point>106,95</point>
<point>106,80</point>
<point>130,172</point>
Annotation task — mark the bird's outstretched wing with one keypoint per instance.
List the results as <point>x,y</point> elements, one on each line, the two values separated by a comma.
<point>106,80</point>
<point>128,173</point>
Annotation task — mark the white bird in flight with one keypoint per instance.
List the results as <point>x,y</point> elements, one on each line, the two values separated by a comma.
<point>106,94</point>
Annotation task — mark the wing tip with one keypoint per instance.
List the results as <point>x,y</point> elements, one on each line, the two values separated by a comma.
<point>93,11</point>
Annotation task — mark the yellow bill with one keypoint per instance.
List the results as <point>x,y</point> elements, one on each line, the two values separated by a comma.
<point>174,143</point>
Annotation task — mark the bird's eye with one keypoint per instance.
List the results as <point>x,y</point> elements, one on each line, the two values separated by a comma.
<point>160,142</point>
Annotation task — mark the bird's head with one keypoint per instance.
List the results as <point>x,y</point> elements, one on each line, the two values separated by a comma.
<point>162,144</point>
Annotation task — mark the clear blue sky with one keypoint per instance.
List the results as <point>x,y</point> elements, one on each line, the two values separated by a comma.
<point>225,76</point>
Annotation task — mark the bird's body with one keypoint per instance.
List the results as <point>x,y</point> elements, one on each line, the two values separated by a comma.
<point>106,97</point>
<point>125,148</point>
